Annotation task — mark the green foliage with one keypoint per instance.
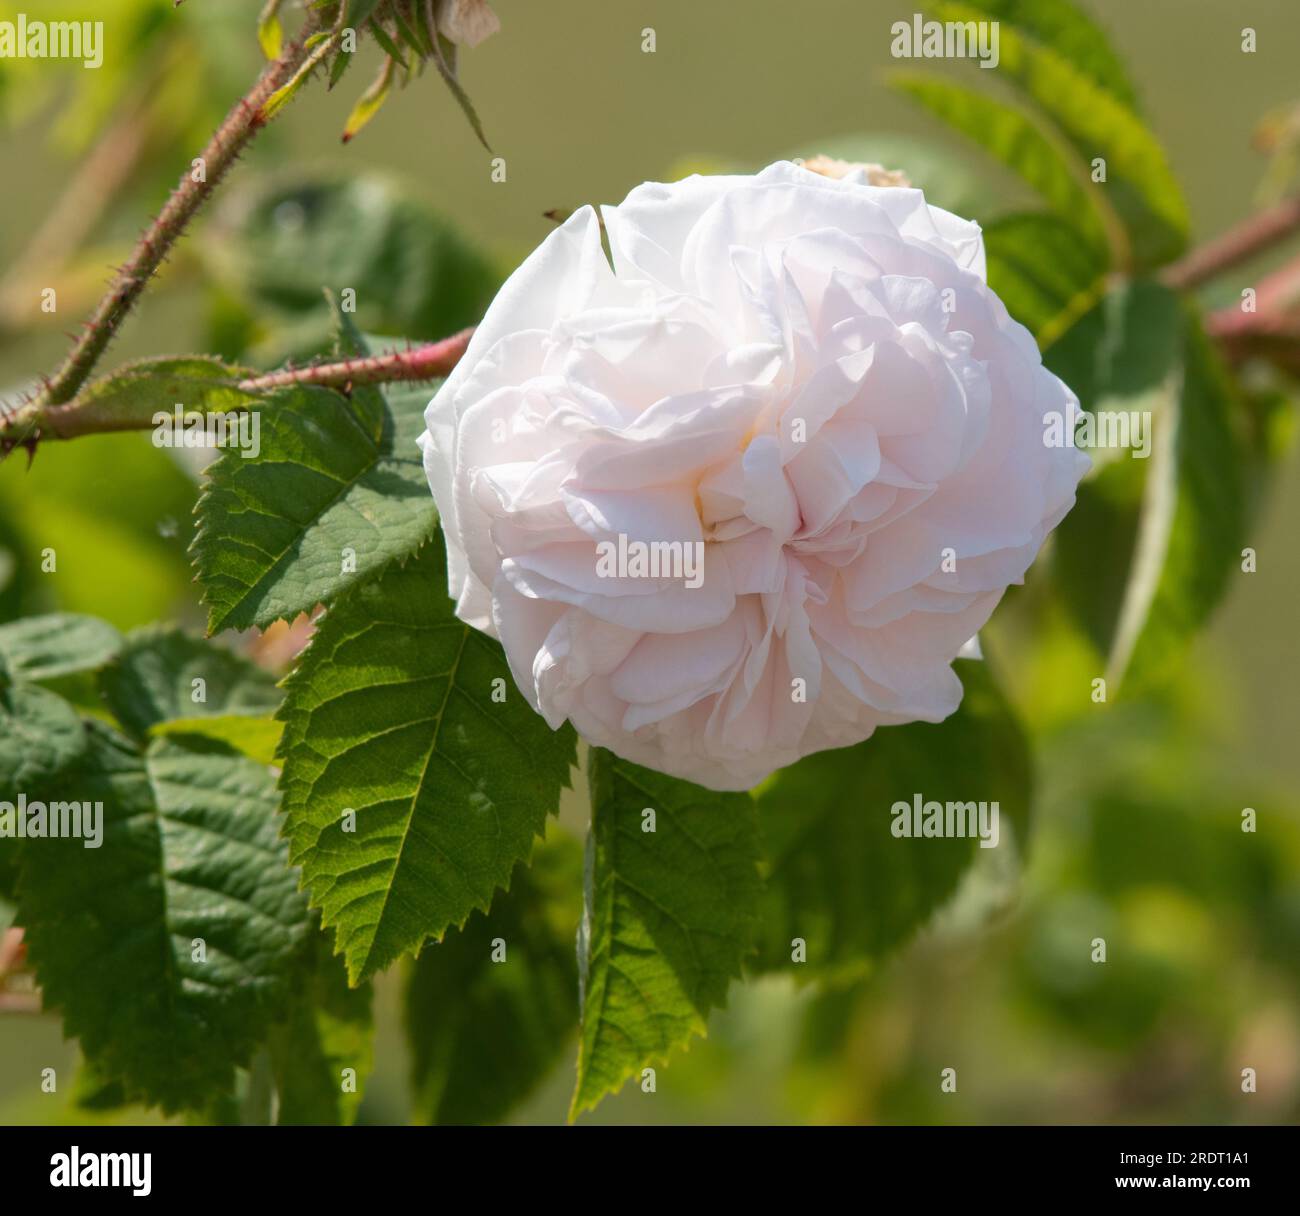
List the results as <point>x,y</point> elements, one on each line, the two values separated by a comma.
<point>1139,185</point>
<point>838,878</point>
<point>1043,270</point>
<point>80,544</point>
<point>671,907</point>
<point>40,735</point>
<point>1170,531</point>
<point>46,647</point>
<point>279,241</point>
<point>134,394</point>
<point>1192,528</point>
<point>1014,140</point>
<point>415,775</point>
<point>490,1009</point>
<point>170,931</point>
<point>370,102</point>
<point>1122,355</point>
<point>1066,29</point>
<point>384,19</point>
<point>416,782</point>
<point>1082,111</point>
<point>189,854</point>
<point>336,492</point>
<point>162,674</point>
<point>248,733</point>
<point>323,1051</point>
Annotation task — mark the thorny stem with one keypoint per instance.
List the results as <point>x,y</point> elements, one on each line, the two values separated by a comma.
<point>1270,330</point>
<point>1239,244</point>
<point>238,130</point>
<point>428,361</point>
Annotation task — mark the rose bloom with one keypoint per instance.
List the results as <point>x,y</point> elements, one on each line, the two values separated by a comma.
<point>803,380</point>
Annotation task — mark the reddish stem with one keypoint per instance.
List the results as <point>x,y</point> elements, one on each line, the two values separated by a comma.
<point>427,362</point>
<point>1239,244</point>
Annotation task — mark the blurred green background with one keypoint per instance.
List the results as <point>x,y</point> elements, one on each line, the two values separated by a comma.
<point>1137,835</point>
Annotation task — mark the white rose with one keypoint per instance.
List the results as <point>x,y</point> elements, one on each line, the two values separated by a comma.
<point>803,379</point>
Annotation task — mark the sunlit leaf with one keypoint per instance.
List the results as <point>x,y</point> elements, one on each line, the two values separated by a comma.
<point>1043,271</point>
<point>672,899</point>
<point>415,774</point>
<point>1138,185</point>
<point>1014,140</point>
<point>1068,30</point>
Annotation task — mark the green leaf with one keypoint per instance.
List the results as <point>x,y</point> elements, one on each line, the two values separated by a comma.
<point>189,852</point>
<point>10,859</point>
<point>409,36</point>
<point>370,102</point>
<point>130,397</point>
<point>839,879</point>
<point>40,736</point>
<point>1072,34</point>
<point>386,43</point>
<point>444,55</point>
<point>164,675</point>
<point>47,647</point>
<point>1122,355</point>
<point>1190,538</point>
<point>1146,554</point>
<point>670,916</point>
<point>1092,549</point>
<point>270,30</point>
<point>336,493</point>
<point>394,714</point>
<point>485,1031</point>
<point>323,1052</point>
<point>252,736</point>
<point>1043,271</point>
<point>1014,140</point>
<point>359,12</point>
<point>321,45</point>
<point>280,240</point>
<point>116,554</point>
<point>95,1092</point>
<point>342,61</point>
<point>1139,186</point>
